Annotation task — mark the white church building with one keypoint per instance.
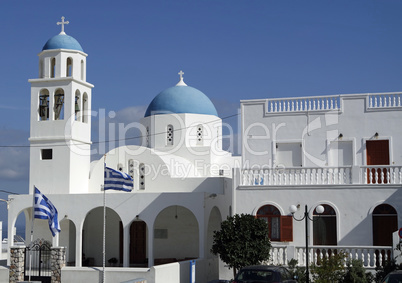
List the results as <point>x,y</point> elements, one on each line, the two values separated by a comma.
<point>342,152</point>
<point>182,177</point>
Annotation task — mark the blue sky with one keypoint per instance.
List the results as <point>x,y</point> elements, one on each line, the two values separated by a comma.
<point>229,49</point>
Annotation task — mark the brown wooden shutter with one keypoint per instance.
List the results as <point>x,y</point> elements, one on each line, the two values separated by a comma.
<point>377,152</point>
<point>286,228</point>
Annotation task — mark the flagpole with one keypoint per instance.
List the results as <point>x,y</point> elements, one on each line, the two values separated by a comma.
<point>114,180</point>
<point>32,228</point>
<point>104,232</point>
<point>104,221</point>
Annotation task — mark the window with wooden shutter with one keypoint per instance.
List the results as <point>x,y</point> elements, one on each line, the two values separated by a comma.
<point>280,228</point>
<point>286,228</point>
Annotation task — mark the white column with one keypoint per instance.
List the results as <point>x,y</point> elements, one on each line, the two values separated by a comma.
<point>151,245</point>
<point>55,240</point>
<point>126,246</point>
<point>78,246</point>
<point>202,235</point>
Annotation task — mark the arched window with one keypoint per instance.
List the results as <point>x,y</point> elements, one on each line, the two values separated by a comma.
<point>69,71</point>
<point>82,70</point>
<point>147,138</point>
<point>169,135</point>
<point>43,105</point>
<point>85,108</point>
<point>131,168</point>
<point>77,106</point>
<point>200,135</point>
<point>324,227</point>
<point>41,69</point>
<point>53,68</point>
<point>142,176</point>
<point>385,222</point>
<point>280,228</point>
<point>217,136</point>
<point>59,105</point>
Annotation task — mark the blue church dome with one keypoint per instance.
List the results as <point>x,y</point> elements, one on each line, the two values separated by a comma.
<point>181,99</point>
<point>62,41</point>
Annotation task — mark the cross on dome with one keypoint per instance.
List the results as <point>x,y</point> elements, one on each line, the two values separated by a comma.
<point>181,73</point>
<point>62,23</point>
<point>181,82</point>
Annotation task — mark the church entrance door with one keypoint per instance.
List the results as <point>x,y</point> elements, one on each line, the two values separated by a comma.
<point>138,243</point>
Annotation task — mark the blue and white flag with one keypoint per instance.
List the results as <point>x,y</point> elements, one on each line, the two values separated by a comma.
<point>44,209</point>
<point>117,180</point>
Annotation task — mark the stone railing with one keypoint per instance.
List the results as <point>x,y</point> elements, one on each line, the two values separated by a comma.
<point>370,256</point>
<point>301,104</point>
<point>297,176</point>
<point>381,174</point>
<point>385,100</point>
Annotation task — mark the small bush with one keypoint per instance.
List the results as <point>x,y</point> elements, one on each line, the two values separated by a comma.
<point>331,269</point>
<point>355,273</point>
<point>298,271</point>
<point>382,271</point>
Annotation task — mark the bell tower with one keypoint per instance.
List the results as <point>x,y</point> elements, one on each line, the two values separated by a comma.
<point>60,131</point>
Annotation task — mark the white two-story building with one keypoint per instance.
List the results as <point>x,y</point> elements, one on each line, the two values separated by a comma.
<point>343,152</point>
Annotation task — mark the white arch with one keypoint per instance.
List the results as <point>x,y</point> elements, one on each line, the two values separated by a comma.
<point>261,204</point>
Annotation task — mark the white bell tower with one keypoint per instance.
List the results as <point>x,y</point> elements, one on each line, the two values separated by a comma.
<point>60,134</point>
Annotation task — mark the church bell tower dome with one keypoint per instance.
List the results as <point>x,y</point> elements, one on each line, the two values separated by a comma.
<point>62,40</point>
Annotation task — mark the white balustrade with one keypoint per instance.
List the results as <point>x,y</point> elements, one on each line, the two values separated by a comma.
<point>370,256</point>
<point>326,103</point>
<point>296,176</point>
<point>299,104</point>
<point>385,100</point>
<point>381,174</point>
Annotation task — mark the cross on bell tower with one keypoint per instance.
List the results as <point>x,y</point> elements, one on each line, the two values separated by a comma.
<point>62,23</point>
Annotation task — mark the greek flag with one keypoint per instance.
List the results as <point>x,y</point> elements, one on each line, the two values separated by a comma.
<point>44,209</point>
<point>117,180</point>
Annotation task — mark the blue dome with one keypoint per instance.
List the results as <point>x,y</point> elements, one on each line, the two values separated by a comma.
<point>181,99</point>
<point>62,41</point>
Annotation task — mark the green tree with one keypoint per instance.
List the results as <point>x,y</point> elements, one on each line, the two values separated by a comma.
<point>242,241</point>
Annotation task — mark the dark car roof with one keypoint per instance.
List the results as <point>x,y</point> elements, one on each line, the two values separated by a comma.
<point>261,267</point>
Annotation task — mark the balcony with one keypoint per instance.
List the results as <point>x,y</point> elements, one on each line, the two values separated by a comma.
<point>310,176</point>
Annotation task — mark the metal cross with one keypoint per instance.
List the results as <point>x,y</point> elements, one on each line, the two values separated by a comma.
<point>181,73</point>
<point>62,23</point>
